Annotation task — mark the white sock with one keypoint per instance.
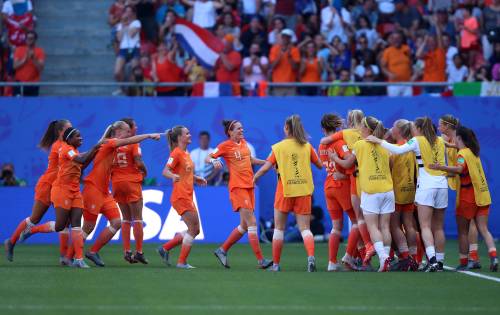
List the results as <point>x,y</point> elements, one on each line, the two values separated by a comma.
<point>379,247</point>
<point>430,251</point>
<point>440,257</point>
<point>187,239</point>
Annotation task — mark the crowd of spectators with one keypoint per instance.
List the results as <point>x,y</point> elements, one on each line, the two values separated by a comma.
<point>312,41</point>
<point>21,60</point>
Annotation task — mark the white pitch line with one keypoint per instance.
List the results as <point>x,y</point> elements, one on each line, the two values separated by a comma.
<point>474,274</point>
<point>233,308</point>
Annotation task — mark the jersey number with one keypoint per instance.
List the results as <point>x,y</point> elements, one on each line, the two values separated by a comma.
<point>121,159</point>
<point>237,155</point>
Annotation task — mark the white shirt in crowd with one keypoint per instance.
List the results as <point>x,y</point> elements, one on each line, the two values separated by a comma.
<point>361,69</point>
<point>198,156</point>
<point>204,14</point>
<point>457,74</point>
<point>256,74</point>
<point>450,53</point>
<point>249,6</point>
<point>336,29</point>
<point>128,42</point>
<point>424,179</point>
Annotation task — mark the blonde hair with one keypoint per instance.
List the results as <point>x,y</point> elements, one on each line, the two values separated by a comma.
<point>404,127</point>
<point>173,136</point>
<point>296,129</point>
<point>375,126</point>
<point>427,129</point>
<point>355,118</point>
<point>111,129</point>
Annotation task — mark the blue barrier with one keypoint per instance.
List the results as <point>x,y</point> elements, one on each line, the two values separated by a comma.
<point>161,221</point>
<point>23,120</point>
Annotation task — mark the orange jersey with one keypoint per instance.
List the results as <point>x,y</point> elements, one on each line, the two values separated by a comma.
<point>272,160</point>
<point>238,159</point>
<point>101,172</point>
<point>124,167</point>
<point>50,174</point>
<point>70,171</point>
<point>180,163</point>
<point>341,148</point>
<point>466,188</point>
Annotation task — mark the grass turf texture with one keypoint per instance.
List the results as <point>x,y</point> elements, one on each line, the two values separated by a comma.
<point>35,284</point>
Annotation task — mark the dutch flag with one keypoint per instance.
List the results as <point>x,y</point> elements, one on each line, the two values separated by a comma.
<point>198,42</point>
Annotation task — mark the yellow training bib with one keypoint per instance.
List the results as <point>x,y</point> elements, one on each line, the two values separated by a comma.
<point>403,177</point>
<point>351,136</point>
<point>476,172</point>
<point>432,155</point>
<point>294,165</point>
<point>373,166</point>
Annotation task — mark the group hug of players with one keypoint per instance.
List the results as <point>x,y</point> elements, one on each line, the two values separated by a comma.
<point>392,184</point>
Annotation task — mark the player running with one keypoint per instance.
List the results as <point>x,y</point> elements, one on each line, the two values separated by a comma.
<point>236,154</point>
<point>292,157</point>
<point>474,198</point>
<point>52,139</point>
<point>180,169</point>
<point>126,177</point>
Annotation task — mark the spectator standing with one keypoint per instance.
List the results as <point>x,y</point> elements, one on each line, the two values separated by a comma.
<point>166,70</point>
<point>169,5</point>
<point>450,50</point>
<point>115,14</point>
<point>310,70</point>
<point>434,56</point>
<point>18,19</point>
<point>254,34</point>
<point>29,61</point>
<point>227,67</point>
<point>334,23</point>
<point>469,35</point>
<point>445,26</point>
<point>491,24</point>
<point>204,12</point>
<point>231,28</point>
<point>274,36</point>
<point>128,35</point>
<point>167,28</point>
<point>364,28</point>
<point>396,65</point>
<point>406,18</point>
<point>255,66</point>
<point>285,61</point>
<point>457,71</point>
<point>335,90</point>
<point>198,156</point>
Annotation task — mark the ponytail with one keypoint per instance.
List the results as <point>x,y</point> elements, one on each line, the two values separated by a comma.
<point>229,125</point>
<point>52,133</point>
<point>173,136</point>
<point>296,129</point>
<point>331,122</point>
<point>110,130</point>
<point>375,126</point>
<point>404,127</point>
<point>355,118</point>
<point>469,139</point>
<point>427,129</point>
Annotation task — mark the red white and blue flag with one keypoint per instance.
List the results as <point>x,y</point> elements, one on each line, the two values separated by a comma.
<point>198,42</point>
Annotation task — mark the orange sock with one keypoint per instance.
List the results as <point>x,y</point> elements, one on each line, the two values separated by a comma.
<point>420,249</point>
<point>492,253</point>
<point>352,240</point>
<point>333,246</point>
<point>46,227</point>
<point>308,239</point>
<point>176,241</point>
<point>63,241</point>
<point>126,235</point>
<point>20,227</point>
<point>70,253</point>
<point>77,240</point>
<point>277,245</point>
<point>187,242</point>
<point>234,237</point>
<point>253,239</point>
<point>365,236</point>
<point>103,239</point>
<point>138,235</point>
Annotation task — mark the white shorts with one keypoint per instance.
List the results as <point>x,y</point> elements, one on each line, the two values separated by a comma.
<point>432,197</point>
<point>379,203</point>
<point>399,90</point>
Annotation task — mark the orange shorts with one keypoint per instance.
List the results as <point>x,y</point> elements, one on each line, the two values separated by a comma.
<point>42,193</point>
<point>183,205</point>
<point>297,205</point>
<point>338,199</point>
<point>95,202</point>
<point>127,192</point>
<point>66,199</point>
<point>409,207</point>
<point>471,210</point>
<point>242,198</point>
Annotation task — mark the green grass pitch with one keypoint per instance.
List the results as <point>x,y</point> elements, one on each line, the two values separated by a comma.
<point>35,284</point>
